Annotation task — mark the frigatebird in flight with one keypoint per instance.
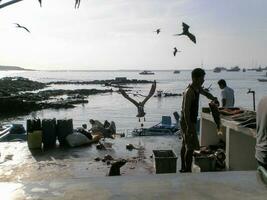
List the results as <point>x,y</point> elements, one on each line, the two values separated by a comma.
<point>175,51</point>
<point>157,31</point>
<point>140,105</point>
<point>19,26</point>
<point>187,33</point>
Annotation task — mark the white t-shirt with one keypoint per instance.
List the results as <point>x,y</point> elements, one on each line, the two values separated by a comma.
<point>228,94</point>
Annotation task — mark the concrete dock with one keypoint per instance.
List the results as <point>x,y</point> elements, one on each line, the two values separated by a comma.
<point>72,173</point>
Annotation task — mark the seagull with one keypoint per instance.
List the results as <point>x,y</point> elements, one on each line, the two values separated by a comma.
<point>157,31</point>
<point>175,51</point>
<point>77,4</point>
<point>19,26</point>
<point>140,105</point>
<point>186,32</point>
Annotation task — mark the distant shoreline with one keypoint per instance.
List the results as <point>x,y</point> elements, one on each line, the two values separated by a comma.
<point>10,68</point>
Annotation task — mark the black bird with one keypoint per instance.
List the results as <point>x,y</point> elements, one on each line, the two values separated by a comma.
<point>77,4</point>
<point>140,105</point>
<point>186,32</point>
<point>175,51</point>
<point>19,26</point>
<point>40,2</point>
<point>157,31</point>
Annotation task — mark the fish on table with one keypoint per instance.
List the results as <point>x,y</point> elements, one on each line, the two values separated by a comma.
<point>216,116</point>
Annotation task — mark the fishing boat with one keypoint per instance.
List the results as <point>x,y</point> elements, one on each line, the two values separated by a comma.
<point>146,72</point>
<point>12,132</point>
<point>217,70</point>
<point>176,71</point>
<point>262,79</point>
<point>233,69</point>
<point>165,127</point>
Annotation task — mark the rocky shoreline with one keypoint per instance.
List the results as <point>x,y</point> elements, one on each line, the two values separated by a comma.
<point>18,95</point>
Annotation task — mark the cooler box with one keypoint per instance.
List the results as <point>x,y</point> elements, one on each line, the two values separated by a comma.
<point>165,161</point>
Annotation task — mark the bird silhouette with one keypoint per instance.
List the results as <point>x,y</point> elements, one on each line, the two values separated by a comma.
<point>186,32</point>
<point>19,26</point>
<point>77,4</point>
<point>40,2</point>
<point>140,105</point>
<point>175,51</point>
<point>157,31</point>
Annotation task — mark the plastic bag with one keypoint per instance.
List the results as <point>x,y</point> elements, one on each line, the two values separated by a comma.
<point>77,139</point>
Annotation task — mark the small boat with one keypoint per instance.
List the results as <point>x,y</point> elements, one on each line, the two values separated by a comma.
<point>146,72</point>
<point>13,132</point>
<point>233,69</point>
<point>176,71</point>
<point>262,79</point>
<point>217,70</point>
<point>165,127</point>
<point>244,70</point>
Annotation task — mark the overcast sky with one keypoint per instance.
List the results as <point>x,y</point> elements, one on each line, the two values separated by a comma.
<point>119,34</point>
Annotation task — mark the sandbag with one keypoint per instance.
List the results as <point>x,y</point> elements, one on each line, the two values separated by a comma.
<point>64,128</point>
<point>77,139</point>
<point>49,132</point>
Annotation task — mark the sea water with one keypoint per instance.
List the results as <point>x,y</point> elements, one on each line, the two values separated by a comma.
<point>114,107</point>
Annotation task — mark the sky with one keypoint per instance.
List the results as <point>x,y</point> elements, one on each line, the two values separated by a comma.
<point>119,34</point>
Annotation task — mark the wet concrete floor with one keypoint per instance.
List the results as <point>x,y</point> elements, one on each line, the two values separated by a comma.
<point>18,163</point>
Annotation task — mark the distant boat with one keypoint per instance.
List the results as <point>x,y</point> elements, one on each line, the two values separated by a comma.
<point>217,70</point>
<point>146,72</point>
<point>233,69</point>
<point>259,69</point>
<point>262,79</point>
<point>244,70</point>
<point>176,71</point>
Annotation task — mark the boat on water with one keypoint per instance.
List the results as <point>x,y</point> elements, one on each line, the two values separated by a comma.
<point>217,70</point>
<point>146,72</point>
<point>233,69</point>
<point>262,79</point>
<point>176,71</point>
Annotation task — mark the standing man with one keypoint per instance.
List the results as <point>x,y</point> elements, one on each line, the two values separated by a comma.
<point>227,94</point>
<point>189,117</point>
<point>261,138</point>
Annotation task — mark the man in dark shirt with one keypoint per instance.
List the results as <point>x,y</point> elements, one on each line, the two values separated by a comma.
<point>261,138</point>
<point>189,117</point>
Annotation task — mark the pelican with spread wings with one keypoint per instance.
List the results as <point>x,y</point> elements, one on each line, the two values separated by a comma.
<point>140,105</point>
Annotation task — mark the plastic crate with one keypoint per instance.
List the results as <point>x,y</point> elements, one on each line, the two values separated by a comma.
<point>205,163</point>
<point>165,161</point>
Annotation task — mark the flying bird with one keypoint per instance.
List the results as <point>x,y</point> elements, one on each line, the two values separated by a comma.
<point>140,105</point>
<point>40,2</point>
<point>186,32</point>
<point>19,26</point>
<point>175,51</point>
<point>157,31</point>
<point>77,4</point>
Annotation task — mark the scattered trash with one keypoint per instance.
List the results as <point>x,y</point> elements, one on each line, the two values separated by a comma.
<point>97,159</point>
<point>130,147</point>
<point>115,167</point>
<point>108,157</point>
